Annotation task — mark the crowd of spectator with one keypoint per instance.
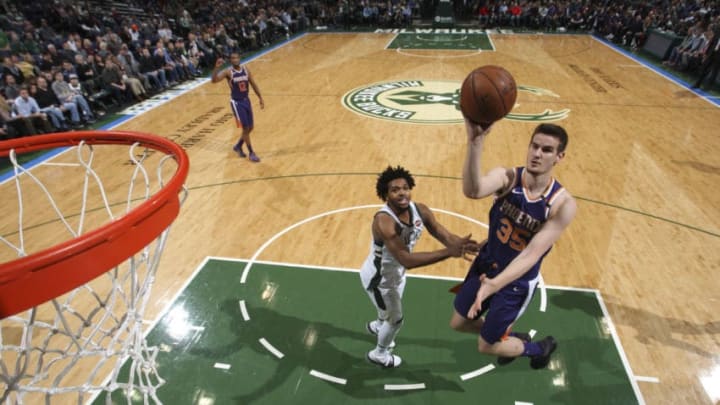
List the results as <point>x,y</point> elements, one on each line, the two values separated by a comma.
<point>65,62</point>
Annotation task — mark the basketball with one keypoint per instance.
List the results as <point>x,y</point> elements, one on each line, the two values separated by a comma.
<point>487,94</point>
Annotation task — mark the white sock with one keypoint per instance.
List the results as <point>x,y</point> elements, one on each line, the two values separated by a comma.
<point>387,334</point>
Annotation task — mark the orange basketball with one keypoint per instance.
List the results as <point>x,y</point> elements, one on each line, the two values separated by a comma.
<point>487,94</point>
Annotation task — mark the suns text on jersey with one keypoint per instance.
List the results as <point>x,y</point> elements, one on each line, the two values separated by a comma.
<point>520,217</point>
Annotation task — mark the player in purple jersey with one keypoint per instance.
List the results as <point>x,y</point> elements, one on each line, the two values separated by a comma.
<point>530,212</point>
<point>238,78</point>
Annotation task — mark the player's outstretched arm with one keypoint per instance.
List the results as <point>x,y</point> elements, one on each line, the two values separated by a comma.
<point>255,88</point>
<point>384,228</point>
<point>565,210</point>
<point>447,238</point>
<point>218,74</point>
<point>475,183</point>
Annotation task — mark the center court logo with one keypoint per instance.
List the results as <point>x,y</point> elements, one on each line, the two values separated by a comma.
<point>429,102</point>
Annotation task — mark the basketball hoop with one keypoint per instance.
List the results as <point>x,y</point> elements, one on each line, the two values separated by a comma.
<point>63,325</point>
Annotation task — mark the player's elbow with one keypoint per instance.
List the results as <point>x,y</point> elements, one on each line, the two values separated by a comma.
<point>408,263</point>
<point>472,192</point>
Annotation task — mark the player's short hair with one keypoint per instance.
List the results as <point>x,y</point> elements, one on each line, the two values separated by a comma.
<point>556,131</point>
<point>390,174</point>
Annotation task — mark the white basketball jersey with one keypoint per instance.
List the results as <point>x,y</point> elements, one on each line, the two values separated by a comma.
<point>381,269</point>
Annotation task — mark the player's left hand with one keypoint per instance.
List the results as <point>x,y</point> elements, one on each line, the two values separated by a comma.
<point>262,103</point>
<point>487,288</point>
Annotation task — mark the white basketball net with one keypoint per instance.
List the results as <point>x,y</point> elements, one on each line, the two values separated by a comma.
<point>72,349</point>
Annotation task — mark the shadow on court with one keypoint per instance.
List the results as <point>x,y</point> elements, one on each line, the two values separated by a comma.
<point>308,344</point>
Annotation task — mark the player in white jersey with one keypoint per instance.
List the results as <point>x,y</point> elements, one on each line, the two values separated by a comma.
<point>395,230</point>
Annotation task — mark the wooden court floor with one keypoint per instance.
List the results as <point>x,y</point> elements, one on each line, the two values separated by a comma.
<point>643,162</point>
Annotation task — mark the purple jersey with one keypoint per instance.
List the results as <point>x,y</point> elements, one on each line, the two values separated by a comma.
<point>515,218</point>
<point>238,83</point>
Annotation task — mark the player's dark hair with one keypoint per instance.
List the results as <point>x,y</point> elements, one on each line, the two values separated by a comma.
<point>390,174</point>
<point>556,131</point>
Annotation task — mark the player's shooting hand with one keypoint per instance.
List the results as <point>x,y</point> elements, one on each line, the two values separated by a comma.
<point>475,131</point>
<point>219,62</point>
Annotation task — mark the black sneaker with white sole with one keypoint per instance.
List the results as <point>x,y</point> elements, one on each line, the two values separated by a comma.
<point>501,360</point>
<point>548,346</point>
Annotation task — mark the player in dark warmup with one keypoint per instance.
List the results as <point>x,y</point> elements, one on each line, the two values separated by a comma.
<point>530,212</point>
<point>238,77</point>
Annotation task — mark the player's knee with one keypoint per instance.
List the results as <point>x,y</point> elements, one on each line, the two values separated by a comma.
<point>485,347</point>
<point>396,320</point>
<point>457,324</point>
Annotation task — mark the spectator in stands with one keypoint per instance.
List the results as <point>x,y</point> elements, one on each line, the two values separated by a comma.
<point>635,34</point>
<point>577,22</point>
<point>46,63</point>
<point>711,60</point>
<point>692,59</point>
<point>54,108</point>
<point>9,68</point>
<point>134,35</point>
<point>172,70</point>
<point>164,32</point>
<point>12,89</point>
<point>130,66</point>
<point>113,81</point>
<point>68,68</point>
<point>484,15</point>
<point>515,13</point>
<point>197,50</point>
<point>13,126</point>
<point>27,66</point>
<point>26,107</point>
<point>65,95</point>
<point>95,99</point>
<point>152,70</point>
<point>55,56</point>
<point>685,46</point>
<point>86,70</point>
<point>248,38</point>
<point>182,55</point>
<point>131,81</point>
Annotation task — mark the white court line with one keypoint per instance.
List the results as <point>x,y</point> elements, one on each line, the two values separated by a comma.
<point>154,323</point>
<point>246,271</point>
<point>461,216</point>
<point>578,289</point>
<point>243,310</point>
<point>478,372</point>
<point>387,46</point>
<point>328,377</point>
<point>643,378</point>
<point>532,333</point>
<point>253,259</point>
<point>543,294</point>
<point>621,351</point>
<point>465,55</point>
<point>523,403</point>
<point>355,270</point>
<point>492,44</point>
<point>222,366</point>
<point>404,387</point>
<point>277,353</point>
